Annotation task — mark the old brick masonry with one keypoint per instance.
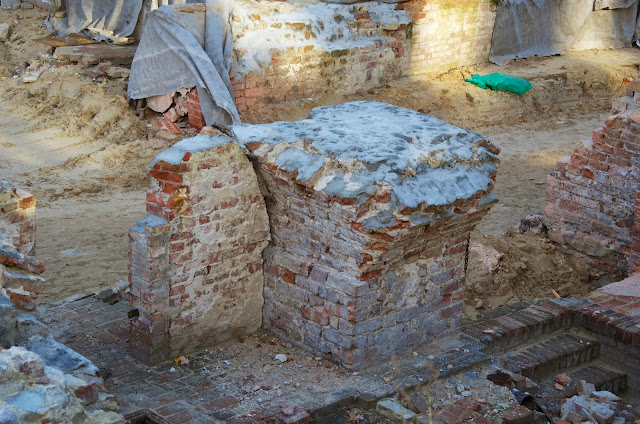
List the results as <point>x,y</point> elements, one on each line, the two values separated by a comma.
<point>20,278</point>
<point>355,275</point>
<point>593,206</point>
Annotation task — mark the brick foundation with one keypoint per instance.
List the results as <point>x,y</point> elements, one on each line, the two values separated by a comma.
<point>370,209</point>
<point>196,260</point>
<point>360,295</point>
<point>592,196</point>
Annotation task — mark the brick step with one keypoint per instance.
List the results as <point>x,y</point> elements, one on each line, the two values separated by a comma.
<point>604,377</point>
<point>514,326</point>
<point>542,359</point>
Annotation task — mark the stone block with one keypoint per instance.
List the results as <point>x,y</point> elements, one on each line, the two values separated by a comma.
<point>395,411</point>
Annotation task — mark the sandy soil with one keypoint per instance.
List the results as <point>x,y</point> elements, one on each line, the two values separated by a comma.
<point>75,143</point>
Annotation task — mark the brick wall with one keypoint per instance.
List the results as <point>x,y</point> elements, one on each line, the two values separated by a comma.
<point>18,217</point>
<point>449,33</point>
<point>20,271</point>
<point>592,207</point>
<point>196,260</point>
<point>375,47</point>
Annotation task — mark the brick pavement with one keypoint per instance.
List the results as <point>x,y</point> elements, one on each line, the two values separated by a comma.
<point>241,382</point>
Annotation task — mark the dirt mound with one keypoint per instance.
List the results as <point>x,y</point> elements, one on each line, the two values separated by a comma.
<point>505,270</point>
<point>64,97</point>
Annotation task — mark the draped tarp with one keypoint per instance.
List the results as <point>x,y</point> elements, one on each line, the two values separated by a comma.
<point>526,28</point>
<point>184,46</point>
<point>10,4</point>
<point>119,16</point>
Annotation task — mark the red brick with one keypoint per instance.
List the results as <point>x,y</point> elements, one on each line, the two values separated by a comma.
<point>170,177</point>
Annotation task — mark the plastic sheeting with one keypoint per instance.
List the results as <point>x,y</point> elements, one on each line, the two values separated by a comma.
<point>183,47</point>
<point>526,28</point>
<point>10,4</point>
<point>119,16</point>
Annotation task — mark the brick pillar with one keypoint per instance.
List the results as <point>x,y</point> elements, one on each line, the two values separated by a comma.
<point>149,287</point>
<point>366,264</point>
<point>196,260</point>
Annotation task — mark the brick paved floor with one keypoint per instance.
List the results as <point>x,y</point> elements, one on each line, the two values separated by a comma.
<point>240,381</point>
<point>237,379</point>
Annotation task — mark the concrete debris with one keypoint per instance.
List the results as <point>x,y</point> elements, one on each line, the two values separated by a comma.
<point>585,389</point>
<point>168,136</point>
<point>563,379</point>
<point>488,256</point>
<point>160,103</point>
<point>395,411</point>
<point>118,72</point>
<point>32,391</point>
<point>601,408</point>
<point>533,223</point>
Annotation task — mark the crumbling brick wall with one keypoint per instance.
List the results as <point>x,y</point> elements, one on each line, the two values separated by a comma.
<point>592,196</point>
<point>18,217</point>
<point>378,47</point>
<point>20,278</point>
<point>196,260</point>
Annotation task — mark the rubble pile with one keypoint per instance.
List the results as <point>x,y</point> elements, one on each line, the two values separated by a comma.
<point>179,110</point>
<point>32,391</point>
<point>591,405</point>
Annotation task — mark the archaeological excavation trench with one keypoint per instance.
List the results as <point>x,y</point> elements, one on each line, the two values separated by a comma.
<point>286,212</point>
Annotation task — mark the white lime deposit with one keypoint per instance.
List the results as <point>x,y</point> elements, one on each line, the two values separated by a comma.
<point>327,25</point>
<point>425,160</point>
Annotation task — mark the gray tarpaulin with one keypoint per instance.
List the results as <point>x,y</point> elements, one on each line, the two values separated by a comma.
<point>526,28</point>
<point>119,16</point>
<point>10,4</point>
<point>171,57</point>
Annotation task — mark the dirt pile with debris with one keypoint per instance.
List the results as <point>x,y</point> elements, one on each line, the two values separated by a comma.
<point>505,270</point>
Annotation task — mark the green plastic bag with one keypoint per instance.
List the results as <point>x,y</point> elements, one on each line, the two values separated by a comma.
<point>501,82</point>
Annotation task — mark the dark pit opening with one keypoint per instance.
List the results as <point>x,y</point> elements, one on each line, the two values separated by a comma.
<point>145,417</point>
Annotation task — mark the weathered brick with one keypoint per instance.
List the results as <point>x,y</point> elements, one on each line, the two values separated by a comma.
<point>192,262</point>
